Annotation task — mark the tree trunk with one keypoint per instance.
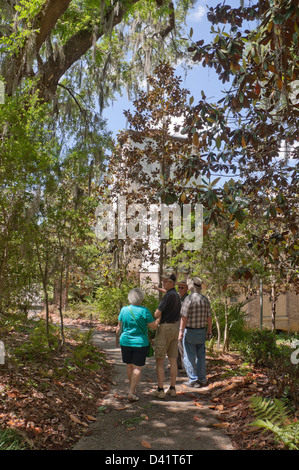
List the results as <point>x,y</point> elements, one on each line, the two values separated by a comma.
<point>218,329</point>
<point>60,306</point>
<point>44,278</point>
<point>47,315</point>
<point>161,264</point>
<point>225,335</point>
<point>274,298</point>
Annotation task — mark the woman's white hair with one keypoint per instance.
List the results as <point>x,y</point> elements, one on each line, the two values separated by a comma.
<point>136,296</point>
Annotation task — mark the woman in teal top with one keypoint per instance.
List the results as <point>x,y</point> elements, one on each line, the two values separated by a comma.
<point>131,336</point>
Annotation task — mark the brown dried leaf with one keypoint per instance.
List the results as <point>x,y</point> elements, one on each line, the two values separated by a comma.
<point>91,418</point>
<point>146,444</point>
<point>77,421</point>
<point>221,425</point>
<point>198,404</point>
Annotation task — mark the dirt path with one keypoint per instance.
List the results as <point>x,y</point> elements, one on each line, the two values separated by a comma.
<point>173,424</point>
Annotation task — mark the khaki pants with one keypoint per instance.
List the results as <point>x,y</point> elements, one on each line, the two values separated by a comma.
<point>166,340</point>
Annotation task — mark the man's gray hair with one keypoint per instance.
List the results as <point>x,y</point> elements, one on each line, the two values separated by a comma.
<point>136,296</point>
<point>196,289</point>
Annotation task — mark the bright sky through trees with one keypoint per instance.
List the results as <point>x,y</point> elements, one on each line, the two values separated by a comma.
<point>197,79</point>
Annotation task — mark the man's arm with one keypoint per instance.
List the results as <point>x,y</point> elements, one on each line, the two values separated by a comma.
<point>160,289</point>
<point>157,314</point>
<point>184,317</point>
<point>183,323</point>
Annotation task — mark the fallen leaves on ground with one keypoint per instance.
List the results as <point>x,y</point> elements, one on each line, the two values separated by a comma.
<point>146,444</point>
<point>53,411</point>
<point>198,404</point>
<point>221,425</point>
<point>230,390</point>
<point>50,407</point>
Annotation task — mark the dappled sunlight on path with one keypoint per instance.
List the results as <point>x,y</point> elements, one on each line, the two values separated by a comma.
<point>186,422</point>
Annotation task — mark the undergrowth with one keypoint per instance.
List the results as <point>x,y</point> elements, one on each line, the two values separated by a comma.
<point>274,415</point>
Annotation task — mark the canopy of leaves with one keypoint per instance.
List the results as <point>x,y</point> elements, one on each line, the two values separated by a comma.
<point>46,38</point>
<point>253,131</point>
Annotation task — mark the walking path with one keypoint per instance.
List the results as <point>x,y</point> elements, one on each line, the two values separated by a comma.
<point>173,424</point>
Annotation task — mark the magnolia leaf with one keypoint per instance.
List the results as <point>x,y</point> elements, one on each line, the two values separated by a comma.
<point>214,182</point>
<point>91,418</point>
<point>77,420</point>
<point>221,425</point>
<point>279,84</point>
<point>195,139</point>
<point>146,444</point>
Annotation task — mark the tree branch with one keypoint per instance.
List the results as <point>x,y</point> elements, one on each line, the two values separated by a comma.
<point>171,25</point>
<point>15,68</point>
<point>75,48</point>
<point>47,19</point>
<point>82,110</point>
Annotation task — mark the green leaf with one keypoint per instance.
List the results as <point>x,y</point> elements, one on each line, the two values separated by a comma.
<point>215,182</point>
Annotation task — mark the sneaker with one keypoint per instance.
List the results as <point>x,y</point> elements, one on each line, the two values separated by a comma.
<point>171,392</point>
<point>190,383</point>
<point>158,393</point>
<point>132,397</point>
<point>201,384</point>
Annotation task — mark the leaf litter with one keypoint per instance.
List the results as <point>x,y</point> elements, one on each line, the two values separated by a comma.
<point>53,412</point>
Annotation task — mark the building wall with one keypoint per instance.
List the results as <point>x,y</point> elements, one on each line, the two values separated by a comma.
<point>287,307</point>
<point>287,312</point>
<point>293,310</point>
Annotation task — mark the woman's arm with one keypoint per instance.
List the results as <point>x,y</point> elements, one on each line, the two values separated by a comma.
<point>154,324</point>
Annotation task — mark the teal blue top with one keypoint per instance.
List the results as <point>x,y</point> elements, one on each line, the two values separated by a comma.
<point>132,334</point>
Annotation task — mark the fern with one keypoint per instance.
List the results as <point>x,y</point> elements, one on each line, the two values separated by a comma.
<point>273,415</point>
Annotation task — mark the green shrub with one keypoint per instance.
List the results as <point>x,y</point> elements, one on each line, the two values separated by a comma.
<point>86,355</point>
<point>151,301</point>
<point>236,319</point>
<point>259,347</point>
<point>39,345</point>
<point>110,300</point>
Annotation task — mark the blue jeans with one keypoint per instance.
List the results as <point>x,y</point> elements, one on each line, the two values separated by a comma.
<point>195,354</point>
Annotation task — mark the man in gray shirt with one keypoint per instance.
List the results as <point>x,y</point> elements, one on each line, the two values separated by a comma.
<point>195,324</point>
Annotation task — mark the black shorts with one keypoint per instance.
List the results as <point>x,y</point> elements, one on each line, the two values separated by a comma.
<point>134,355</point>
